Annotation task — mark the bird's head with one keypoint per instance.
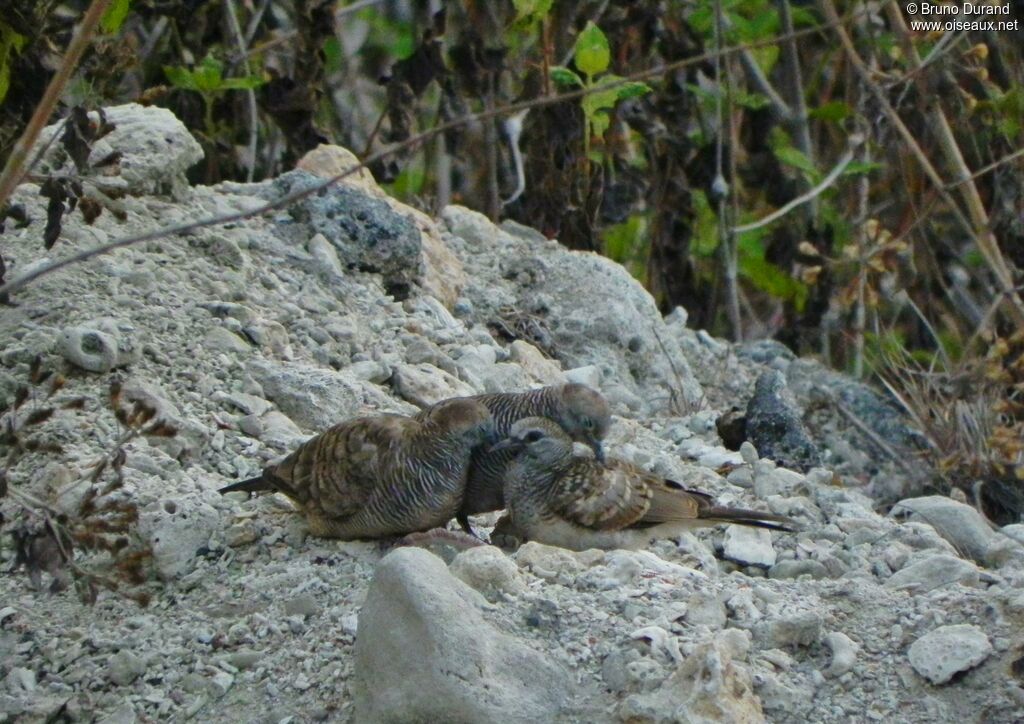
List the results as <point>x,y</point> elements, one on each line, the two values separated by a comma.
<point>583,413</point>
<point>536,437</point>
<point>465,418</point>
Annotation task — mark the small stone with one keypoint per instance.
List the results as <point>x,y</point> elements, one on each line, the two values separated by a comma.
<point>21,681</point>
<point>589,376</point>
<point>797,568</point>
<point>304,605</point>
<point>844,653</point>
<point>302,682</point>
<point>797,629</point>
<point>748,452</point>
<point>241,533</point>
<point>219,339</point>
<point>425,384</point>
<point>124,667</point>
<point>100,345</point>
<point>959,524</point>
<point>933,572</point>
<point>221,682</point>
<point>488,570</point>
<point>948,650</point>
<point>244,659</point>
<point>749,546</point>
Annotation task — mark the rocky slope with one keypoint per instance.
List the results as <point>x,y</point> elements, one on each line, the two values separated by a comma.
<point>250,336</point>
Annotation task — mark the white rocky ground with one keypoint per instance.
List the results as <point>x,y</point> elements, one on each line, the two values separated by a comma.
<point>253,335</point>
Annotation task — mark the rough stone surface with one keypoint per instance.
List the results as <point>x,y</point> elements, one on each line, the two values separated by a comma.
<point>426,653</point>
<point>958,523</point>
<point>948,650</point>
<point>155,151</point>
<point>775,425</point>
<point>258,621</point>
<point>99,345</point>
<point>593,310</point>
<point>750,546</point>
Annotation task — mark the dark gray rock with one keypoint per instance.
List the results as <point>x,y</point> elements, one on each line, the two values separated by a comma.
<point>364,231</point>
<point>775,425</point>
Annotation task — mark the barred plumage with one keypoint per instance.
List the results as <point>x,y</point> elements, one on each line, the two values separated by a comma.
<point>579,410</point>
<point>382,475</point>
<point>559,499</point>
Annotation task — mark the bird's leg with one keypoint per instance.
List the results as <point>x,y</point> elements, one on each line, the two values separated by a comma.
<point>463,520</point>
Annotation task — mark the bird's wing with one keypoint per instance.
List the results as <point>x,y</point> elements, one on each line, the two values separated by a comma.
<point>334,473</point>
<point>603,497</point>
<point>671,502</point>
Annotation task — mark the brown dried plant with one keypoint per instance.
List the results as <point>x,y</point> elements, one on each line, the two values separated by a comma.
<point>972,415</point>
<point>91,541</point>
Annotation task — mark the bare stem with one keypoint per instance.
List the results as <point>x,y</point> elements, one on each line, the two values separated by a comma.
<point>14,169</point>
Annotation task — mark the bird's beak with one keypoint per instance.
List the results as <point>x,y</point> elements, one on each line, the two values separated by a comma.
<point>598,449</point>
<point>506,444</point>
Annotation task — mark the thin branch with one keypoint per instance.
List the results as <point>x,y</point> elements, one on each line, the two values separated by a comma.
<point>852,142</point>
<point>12,173</point>
<point>978,229</point>
<point>46,269</point>
<point>250,94</point>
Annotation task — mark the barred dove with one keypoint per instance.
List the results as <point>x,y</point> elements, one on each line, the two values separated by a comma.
<point>579,410</point>
<point>560,499</point>
<point>383,475</point>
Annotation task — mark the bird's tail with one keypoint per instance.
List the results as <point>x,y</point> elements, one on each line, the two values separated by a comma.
<point>753,518</point>
<point>252,485</point>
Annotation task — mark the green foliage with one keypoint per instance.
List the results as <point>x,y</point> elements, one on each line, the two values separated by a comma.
<point>408,184</point>
<point>705,230</point>
<point>833,111</point>
<point>755,268</point>
<point>207,78</point>
<point>397,36</point>
<point>591,53</point>
<point>530,12</point>
<point>628,244</point>
<point>10,42</point>
<point>115,15</point>
<point>592,56</point>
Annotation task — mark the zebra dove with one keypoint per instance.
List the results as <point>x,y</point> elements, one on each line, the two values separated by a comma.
<point>560,499</point>
<point>579,410</point>
<point>383,475</point>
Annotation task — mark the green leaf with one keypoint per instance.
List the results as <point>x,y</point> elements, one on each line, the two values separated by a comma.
<point>861,167</point>
<point>532,10</point>
<point>599,99</point>
<point>633,89</point>
<point>10,41</point>
<point>591,52</point>
<point>794,157</point>
<point>180,77</point>
<point>627,242</point>
<point>565,77</point>
<point>114,16</point>
<point>208,75</point>
<point>834,111</point>
<point>242,83</point>
<point>333,55</point>
<point>705,228</point>
<point>599,123</point>
<point>766,276</point>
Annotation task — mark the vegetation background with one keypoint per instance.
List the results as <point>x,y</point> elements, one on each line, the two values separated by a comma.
<point>819,173</point>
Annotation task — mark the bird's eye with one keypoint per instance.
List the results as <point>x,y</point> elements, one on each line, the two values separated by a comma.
<point>534,436</point>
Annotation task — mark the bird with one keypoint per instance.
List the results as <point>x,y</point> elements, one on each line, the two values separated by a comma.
<point>580,411</point>
<point>558,498</point>
<point>383,475</point>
